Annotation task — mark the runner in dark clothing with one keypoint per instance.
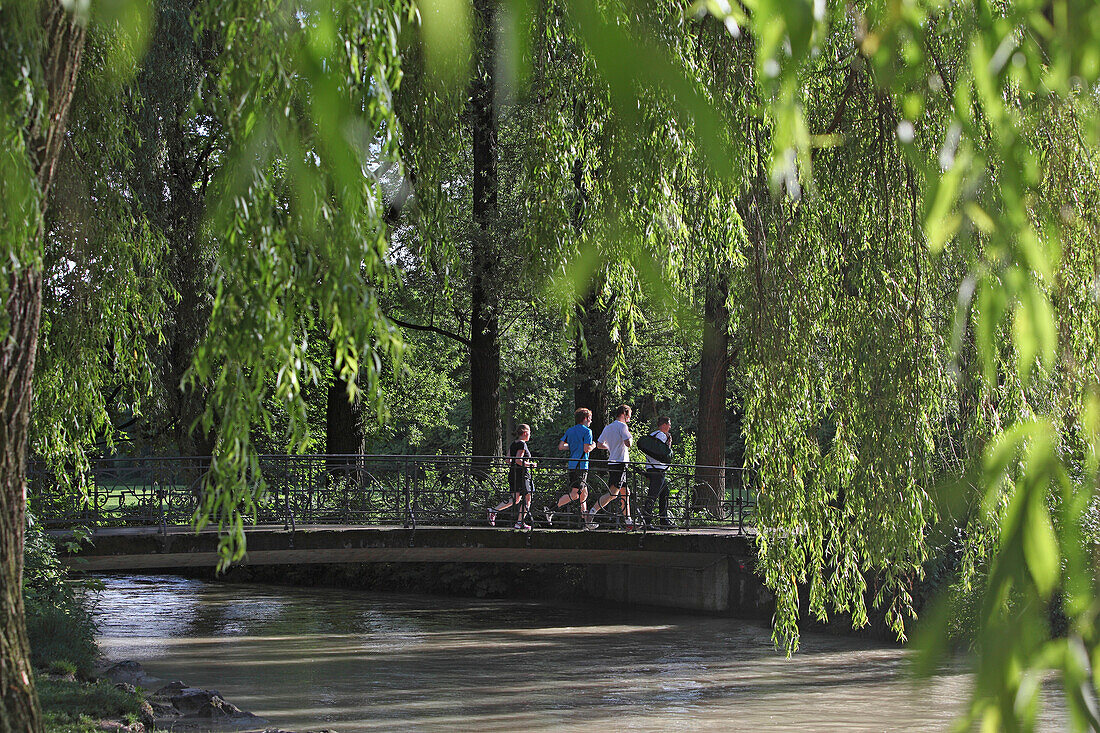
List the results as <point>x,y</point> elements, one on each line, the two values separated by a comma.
<point>655,473</point>
<point>519,480</point>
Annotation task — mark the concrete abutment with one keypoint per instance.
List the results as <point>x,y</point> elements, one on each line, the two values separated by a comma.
<point>725,587</point>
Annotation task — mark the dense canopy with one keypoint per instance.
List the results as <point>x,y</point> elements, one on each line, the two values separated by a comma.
<point>851,248</point>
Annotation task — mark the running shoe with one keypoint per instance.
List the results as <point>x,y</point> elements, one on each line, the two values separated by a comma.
<point>492,518</point>
<point>589,524</point>
<point>521,525</point>
<point>628,524</point>
<point>549,516</point>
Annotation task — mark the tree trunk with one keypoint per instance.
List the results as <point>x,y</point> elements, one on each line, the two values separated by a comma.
<point>593,346</point>
<point>710,477</point>
<point>509,412</point>
<point>18,702</point>
<point>64,45</point>
<point>590,376</point>
<point>484,265</point>
<point>343,428</point>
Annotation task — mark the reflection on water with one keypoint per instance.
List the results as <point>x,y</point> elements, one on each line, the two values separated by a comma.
<point>361,661</point>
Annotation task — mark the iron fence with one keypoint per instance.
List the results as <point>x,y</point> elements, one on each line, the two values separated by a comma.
<point>382,490</point>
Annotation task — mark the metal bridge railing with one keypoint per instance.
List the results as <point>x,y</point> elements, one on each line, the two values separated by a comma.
<point>377,490</point>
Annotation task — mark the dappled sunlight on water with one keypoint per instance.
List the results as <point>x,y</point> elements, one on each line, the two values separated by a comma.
<point>361,661</point>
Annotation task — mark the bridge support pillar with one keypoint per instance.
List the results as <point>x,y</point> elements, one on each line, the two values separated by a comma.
<point>725,586</point>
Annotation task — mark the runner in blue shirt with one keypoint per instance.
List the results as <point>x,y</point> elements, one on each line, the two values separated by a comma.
<point>578,441</point>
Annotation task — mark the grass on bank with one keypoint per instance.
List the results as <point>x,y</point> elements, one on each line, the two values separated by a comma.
<point>77,707</point>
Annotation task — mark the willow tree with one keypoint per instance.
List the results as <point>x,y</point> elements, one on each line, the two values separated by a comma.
<point>907,220</point>
<point>452,142</point>
<point>175,148</point>
<point>604,198</point>
<point>930,174</point>
<point>40,57</point>
<point>918,221</point>
<point>297,222</point>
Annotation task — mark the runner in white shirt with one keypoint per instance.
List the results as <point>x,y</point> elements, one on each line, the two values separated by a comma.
<point>616,440</point>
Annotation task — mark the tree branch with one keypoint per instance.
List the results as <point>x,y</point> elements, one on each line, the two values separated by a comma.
<point>842,105</point>
<point>432,329</point>
<point>200,161</point>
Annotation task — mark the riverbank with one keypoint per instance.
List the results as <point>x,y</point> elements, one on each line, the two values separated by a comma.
<point>121,697</point>
<point>125,699</point>
<point>77,691</point>
<point>70,705</point>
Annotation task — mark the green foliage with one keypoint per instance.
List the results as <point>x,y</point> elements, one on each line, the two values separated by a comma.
<point>846,303</point>
<point>105,296</point>
<point>900,197</point>
<point>299,223</point>
<point>21,105</point>
<point>59,626</point>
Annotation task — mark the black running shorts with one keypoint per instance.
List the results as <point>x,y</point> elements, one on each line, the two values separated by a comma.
<point>617,475</point>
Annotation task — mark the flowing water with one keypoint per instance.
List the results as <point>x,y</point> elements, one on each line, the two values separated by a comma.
<point>364,661</point>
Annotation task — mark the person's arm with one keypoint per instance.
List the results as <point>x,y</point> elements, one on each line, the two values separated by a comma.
<point>628,439</point>
<point>562,445</point>
<point>588,447</point>
<point>599,441</point>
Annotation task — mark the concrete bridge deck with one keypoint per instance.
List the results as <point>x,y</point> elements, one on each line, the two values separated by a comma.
<point>706,569</point>
<point>143,548</point>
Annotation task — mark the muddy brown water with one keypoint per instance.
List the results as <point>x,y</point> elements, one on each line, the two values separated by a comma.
<point>365,661</point>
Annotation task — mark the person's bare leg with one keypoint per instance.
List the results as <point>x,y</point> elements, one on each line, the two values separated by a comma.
<point>499,508</point>
<point>523,505</point>
<point>620,493</point>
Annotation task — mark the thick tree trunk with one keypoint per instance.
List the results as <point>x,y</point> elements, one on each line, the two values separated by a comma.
<point>64,45</point>
<point>169,179</point>
<point>18,702</point>
<point>710,477</point>
<point>343,429</point>
<point>484,266</point>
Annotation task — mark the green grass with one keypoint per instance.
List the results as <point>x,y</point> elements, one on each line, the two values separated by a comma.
<point>76,707</point>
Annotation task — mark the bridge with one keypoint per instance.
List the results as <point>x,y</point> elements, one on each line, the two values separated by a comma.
<point>322,509</point>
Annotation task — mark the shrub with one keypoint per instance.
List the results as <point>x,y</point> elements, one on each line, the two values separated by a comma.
<point>62,667</point>
<point>60,628</point>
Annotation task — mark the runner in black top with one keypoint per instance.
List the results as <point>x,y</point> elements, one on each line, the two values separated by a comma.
<point>519,479</point>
